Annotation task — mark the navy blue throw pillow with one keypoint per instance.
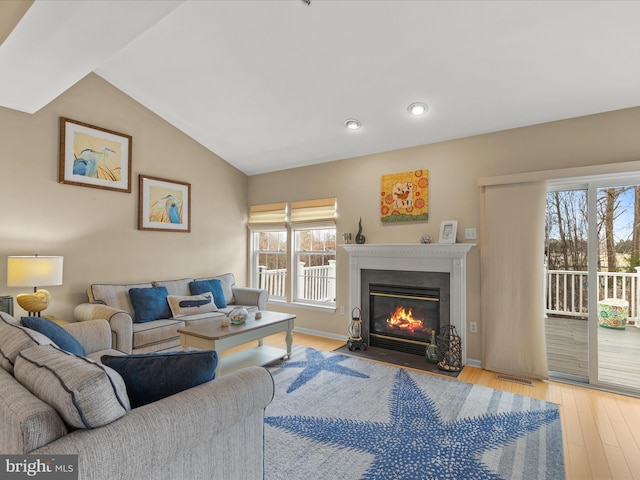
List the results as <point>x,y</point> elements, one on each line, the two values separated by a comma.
<point>149,303</point>
<point>55,333</point>
<point>153,376</point>
<point>214,286</point>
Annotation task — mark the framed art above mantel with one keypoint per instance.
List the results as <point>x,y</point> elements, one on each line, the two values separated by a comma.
<point>404,196</point>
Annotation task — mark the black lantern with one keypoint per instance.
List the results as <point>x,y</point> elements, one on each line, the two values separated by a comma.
<point>355,331</point>
<point>449,349</point>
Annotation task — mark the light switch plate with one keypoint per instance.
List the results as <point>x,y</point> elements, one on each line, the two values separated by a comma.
<point>470,234</point>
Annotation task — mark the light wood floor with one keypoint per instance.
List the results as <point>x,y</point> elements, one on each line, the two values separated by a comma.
<point>601,431</point>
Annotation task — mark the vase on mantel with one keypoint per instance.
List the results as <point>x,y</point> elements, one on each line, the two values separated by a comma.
<point>359,236</point>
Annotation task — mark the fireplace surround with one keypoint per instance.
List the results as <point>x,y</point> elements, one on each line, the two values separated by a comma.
<point>430,265</point>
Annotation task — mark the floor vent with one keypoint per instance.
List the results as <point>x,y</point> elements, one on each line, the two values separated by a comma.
<point>520,380</point>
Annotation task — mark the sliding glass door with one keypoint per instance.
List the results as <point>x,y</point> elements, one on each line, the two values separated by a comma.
<point>566,292</point>
<point>617,334</point>
<point>592,253</point>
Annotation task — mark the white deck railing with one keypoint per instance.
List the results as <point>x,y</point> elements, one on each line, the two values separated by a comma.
<point>317,284</point>
<point>567,291</point>
<point>273,281</point>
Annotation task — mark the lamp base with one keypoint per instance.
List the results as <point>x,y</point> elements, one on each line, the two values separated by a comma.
<point>34,302</point>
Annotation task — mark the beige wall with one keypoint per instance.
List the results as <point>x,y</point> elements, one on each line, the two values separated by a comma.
<point>454,168</point>
<point>96,230</point>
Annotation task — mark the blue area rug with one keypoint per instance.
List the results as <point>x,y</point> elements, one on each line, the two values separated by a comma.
<point>339,417</point>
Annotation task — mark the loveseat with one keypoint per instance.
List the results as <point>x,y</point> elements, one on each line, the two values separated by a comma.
<point>130,335</point>
<point>211,431</point>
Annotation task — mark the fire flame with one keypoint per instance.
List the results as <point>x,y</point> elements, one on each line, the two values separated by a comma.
<point>404,320</point>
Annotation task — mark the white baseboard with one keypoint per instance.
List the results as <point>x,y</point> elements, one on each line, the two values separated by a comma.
<point>319,333</point>
<point>472,362</point>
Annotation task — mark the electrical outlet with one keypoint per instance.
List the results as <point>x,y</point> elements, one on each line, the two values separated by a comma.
<point>341,310</point>
<point>473,327</point>
<point>470,234</point>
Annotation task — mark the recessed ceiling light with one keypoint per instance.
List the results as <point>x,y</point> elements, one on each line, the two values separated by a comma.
<point>417,108</point>
<point>352,124</point>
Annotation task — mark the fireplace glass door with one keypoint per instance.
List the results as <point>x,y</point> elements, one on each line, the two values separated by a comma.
<point>403,317</point>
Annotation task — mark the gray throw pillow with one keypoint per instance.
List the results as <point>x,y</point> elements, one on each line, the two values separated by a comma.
<point>15,338</point>
<point>85,393</point>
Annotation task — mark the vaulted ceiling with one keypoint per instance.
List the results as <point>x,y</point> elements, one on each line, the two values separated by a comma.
<point>267,85</point>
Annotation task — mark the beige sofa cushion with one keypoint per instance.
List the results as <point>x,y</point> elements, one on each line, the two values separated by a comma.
<point>5,318</point>
<point>116,296</point>
<point>26,421</point>
<point>158,331</point>
<point>175,287</point>
<point>228,281</point>
<point>85,393</point>
<point>15,338</point>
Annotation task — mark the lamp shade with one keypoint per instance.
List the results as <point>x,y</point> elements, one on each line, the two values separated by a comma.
<point>34,271</point>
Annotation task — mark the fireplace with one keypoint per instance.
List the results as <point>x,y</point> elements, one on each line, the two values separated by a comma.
<point>402,308</point>
<point>428,267</point>
<point>403,317</point>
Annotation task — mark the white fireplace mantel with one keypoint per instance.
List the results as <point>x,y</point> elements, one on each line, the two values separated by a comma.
<point>416,257</point>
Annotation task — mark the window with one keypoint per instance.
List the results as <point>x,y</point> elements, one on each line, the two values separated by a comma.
<point>294,256</point>
<point>315,265</point>
<point>271,261</point>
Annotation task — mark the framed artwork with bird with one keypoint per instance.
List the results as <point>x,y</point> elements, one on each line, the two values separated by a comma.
<point>94,157</point>
<point>164,205</point>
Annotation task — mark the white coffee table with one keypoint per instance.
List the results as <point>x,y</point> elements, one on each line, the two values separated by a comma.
<point>210,335</point>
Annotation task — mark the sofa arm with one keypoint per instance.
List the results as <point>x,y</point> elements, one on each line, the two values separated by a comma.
<point>120,322</point>
<point>27,422</point>
<point>251,296</point>
<point>94,335</point>
<point>212,431</point>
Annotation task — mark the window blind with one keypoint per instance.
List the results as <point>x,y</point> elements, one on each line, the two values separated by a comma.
<point>273,214</point>
<point>307,211</point>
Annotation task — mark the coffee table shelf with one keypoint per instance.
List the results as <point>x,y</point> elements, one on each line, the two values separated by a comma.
<point>210,335</point>
<point>259,355</point>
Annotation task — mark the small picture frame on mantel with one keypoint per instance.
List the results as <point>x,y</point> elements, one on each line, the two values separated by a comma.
<point>448,230</point>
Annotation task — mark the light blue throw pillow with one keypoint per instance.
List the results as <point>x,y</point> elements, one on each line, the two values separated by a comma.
<point>149,303</point>
<point>214,286</point>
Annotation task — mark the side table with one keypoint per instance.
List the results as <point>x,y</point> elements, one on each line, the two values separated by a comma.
<point>6,304</point>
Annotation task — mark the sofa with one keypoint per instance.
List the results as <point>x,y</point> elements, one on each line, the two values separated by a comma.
<point>211,431</point>
<point>113,303</point>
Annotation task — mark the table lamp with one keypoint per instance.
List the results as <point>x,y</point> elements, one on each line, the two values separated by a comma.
<point>34,271</point>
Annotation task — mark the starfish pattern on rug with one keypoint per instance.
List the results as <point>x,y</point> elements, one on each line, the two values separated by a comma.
<point>316,363</point>
<point>416,443</point>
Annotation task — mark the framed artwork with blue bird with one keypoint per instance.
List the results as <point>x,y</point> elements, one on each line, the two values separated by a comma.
<point>164,205</point>
<point>94,157</point>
